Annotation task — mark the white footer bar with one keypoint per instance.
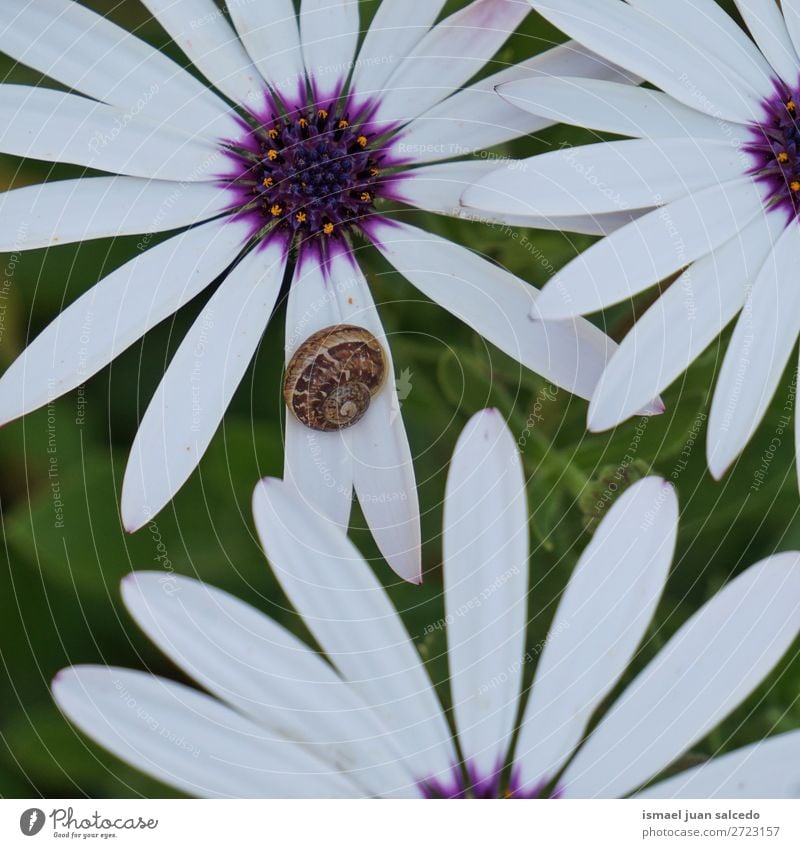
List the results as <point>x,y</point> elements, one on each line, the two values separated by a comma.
<point>494,824</point>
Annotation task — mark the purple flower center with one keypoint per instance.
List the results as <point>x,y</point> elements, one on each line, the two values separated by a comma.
<point>776,150</point>
<point>477,785</point>
<point>311,173</point>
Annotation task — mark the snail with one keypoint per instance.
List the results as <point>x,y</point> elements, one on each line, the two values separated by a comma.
<point>332,377</point>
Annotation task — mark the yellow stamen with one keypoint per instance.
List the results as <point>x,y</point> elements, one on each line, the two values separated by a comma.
<point>374,172</point>
<point>272,155</point>
<point>362,140</point>
<point>795,185</point>
<point>303,123</point>
<point>267,182</point>
<point>322,113</point>
<point>301,217</point>
<point>273,133</point>
<point>783,157</point>
<point>366,196</point>
<point>327,228</point>
<point>791,106</point>
<point>276,210</point>
<point>343,124</point>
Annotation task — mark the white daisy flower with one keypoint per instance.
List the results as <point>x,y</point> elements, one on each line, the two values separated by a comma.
<point>713,173</point>
<point>300,151</point>
<point>365,720</point>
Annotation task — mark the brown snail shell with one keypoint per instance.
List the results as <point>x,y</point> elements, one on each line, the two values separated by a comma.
<point>332,377</point>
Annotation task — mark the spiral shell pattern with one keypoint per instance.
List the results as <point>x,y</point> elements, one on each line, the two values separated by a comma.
<point>332,377</point>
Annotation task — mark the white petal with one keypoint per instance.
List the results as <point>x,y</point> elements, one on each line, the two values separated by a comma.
<point>569,59</point>
<point>88,53</point>
<point>188,740</point>
<point>704,672</point>
<point>791,14</point>
<point>67,211</point>
<point>383,476</point>
<point>591,225</point>
<point>603,616</point>
<point>765,769</point>
<point>329,34</point>
<point>616,108</point>
<point>650,249</point>
<point>313,303</point>
<point>759,349</point>
<point>383,468</point>
<point>496,304</point>
<point>116,312</point>
<point>261,670</point>
<point>681,324</point>
<point>606,177</point>
<point>44,124</point>
<point>439,188</point>
<point>270,34</point>
<point>716,33</point>
<point>320,468</point>
<point>318,465</point>
<point>486,589</point>
<point>452,52</point>
<point>201,30</point>
<point>349,614</point>
<point>191,399</point>
<point>393,33</point>
<point>766,25</point>
<point>477,116</point>
<point>688,72</point>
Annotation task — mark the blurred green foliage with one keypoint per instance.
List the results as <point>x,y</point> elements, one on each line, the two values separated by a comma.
<point>59,599</point>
